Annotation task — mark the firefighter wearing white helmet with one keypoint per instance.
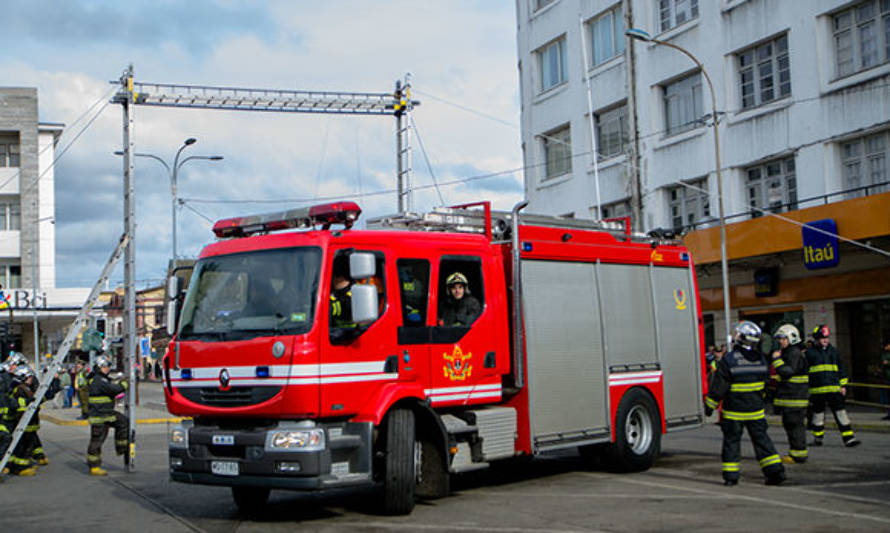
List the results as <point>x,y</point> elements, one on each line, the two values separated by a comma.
<point>459,307</point>
<point>792,391</point>
<point>739,382</point>
<point>102,415</point>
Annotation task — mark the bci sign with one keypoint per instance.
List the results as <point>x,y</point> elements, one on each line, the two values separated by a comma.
<point>820,247</point>
<point>22,299</point>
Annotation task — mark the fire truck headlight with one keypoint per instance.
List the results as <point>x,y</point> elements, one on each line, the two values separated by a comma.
<point>303,440</point>
<point>179,438</point>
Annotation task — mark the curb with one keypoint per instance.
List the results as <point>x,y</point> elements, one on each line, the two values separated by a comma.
<point>63,422</point>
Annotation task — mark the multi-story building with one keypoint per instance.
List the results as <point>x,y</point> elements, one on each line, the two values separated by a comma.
<point>27,230</point>
<point>802,95</point>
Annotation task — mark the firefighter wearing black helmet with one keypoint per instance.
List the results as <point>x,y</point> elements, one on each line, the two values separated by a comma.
<point>102,415</point>
<point>828,386</point>
<point>792,391</point>
<point>739,382</point>
<point>459,307</point>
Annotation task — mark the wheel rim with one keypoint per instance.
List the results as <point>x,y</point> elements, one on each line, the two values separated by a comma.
<point>638,430</point>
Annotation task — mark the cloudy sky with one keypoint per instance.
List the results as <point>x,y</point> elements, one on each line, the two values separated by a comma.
<point>461,55</point>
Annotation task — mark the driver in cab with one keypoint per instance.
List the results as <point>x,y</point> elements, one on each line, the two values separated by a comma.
<point>459,308</point>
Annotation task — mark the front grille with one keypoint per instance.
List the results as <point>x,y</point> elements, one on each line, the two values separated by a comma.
<point>234,397</point>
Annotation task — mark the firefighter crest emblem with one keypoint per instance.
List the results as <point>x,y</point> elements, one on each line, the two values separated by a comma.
<point>680,299</point>
<point>457,366</point>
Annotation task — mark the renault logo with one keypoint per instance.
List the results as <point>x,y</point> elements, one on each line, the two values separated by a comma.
<point>224,379</point>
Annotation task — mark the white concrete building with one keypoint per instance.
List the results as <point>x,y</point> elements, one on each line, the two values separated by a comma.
<point>27,230</point>
<point>802,92</point>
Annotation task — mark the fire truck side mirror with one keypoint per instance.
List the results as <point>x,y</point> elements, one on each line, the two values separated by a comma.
<point>364,303</point>
<point>172,303</point>
<point>362,265</point>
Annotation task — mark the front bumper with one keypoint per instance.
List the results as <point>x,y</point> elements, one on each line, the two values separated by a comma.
<point>345,459</point>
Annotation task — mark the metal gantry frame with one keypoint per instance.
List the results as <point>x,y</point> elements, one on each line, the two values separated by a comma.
<point>132,93</point>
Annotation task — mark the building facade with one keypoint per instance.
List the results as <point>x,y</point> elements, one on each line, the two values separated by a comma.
<point>802,94</point>
<point>27,230</point>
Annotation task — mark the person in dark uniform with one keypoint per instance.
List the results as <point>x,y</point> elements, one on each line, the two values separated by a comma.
<point>739,382</point>
<point>459,307</point>
<point>37,452</point>
<point>828,386</point>
<point>20,463</point>
<point>102,415</point>
<point>792,391</point>
<point>7,407</point>
<point>341,295</point>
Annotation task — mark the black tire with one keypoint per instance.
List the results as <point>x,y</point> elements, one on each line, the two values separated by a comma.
<point>637,433</point>
<point>250,500</point>
<point>400,476</point>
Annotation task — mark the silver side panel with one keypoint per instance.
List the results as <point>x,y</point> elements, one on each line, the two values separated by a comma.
<point>497,428</point>
<point>678,343</point>
<point>629,316</point>
<point>567,382</point>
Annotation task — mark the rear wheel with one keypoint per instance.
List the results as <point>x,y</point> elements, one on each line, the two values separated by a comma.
<point>400,475</point>
<point>637,433</point>
<point>250,500</point>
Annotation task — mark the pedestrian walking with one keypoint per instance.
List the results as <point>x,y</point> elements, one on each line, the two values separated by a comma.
<point>102,415</point>
<point>738,383</point>
<point>792,391</point>
<point>828,386</point>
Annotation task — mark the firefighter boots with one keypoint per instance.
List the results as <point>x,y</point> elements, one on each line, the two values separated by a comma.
<point>98,471</point>
<point>30,471</point>
<point>775,479</point>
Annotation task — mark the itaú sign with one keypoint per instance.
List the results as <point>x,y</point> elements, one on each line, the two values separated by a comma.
<point>820,244</point>
<point>22,299</point>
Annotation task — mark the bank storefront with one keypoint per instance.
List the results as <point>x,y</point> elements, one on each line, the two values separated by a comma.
<point>53,310</point>
<point>806,272</point>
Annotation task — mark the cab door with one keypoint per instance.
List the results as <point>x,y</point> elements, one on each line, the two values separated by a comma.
<point>413,334</point>
<point>467,356</point>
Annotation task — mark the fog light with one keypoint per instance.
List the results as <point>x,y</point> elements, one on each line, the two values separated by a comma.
<point>176,462</point>
<point>287,466</point>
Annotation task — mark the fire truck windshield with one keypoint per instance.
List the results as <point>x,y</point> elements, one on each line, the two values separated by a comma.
<point>251,294</point>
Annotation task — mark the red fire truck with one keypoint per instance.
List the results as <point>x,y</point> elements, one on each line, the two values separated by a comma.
<point>586,335</point>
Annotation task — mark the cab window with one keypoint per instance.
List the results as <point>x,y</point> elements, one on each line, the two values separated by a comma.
<point>460,289</point>
<point>342,328</point>
<point>414,280</point>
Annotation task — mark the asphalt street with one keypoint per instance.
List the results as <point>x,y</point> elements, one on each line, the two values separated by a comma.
<point>840,489</point>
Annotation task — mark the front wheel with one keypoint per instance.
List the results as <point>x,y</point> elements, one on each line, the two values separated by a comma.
<point>637,433</point>
<point>400,475</point>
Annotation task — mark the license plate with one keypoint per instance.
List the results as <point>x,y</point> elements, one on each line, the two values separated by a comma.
<point>340,469</point>
<point>224,468</point>
<point>224,439</point>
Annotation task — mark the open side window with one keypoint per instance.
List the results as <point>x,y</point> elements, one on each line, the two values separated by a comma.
<point>460,289</point>
<point>342,328</point>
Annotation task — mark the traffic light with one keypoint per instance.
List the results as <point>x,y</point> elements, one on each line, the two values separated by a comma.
<point>100,326</point>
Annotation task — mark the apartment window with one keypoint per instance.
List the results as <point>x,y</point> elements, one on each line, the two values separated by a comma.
<point>676,12</point>
<point>11,276</point>
<point>542,3</point>
<point>10,154</point>
<point>10,214</point>
<point>765,73</point>
<point>683,104</point>
<point>612,132</point>
<point>607,35</point>
<point>772,187</point>
<point>616,209</point>
<point>558,152</point>
<point>689,204</point>
<point>862,36</point>
<point>865,163</point>
<point>552,60</point>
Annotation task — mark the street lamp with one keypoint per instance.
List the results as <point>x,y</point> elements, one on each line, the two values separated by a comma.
<point>35,242</point>
<point>173,172</point>
<point>642,35</point>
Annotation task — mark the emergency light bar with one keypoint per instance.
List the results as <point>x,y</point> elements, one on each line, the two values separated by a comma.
<point>345,213</point>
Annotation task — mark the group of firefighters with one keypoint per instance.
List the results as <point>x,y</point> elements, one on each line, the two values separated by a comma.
<point>808,381</point>
<point>18,385</point>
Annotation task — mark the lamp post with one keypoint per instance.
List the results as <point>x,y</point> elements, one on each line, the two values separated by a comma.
<point>172,173</point>
<point>37,361</point>
<point>641,35</point>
